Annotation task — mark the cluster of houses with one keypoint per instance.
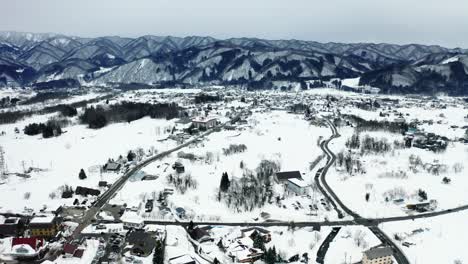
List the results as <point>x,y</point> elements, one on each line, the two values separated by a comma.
<point>237,246</point>
<point>28,236</point>
<point>422,140</point>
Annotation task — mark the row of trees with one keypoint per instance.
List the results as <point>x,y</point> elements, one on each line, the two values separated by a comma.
<point>416,165</point>
<point>13,116</point>
<point>234,148</point>
<point>68,110</point>
<point>368,144</point>
<point>182,182</point>
<point>7,101</point>
<point>98,117</point>
<point>206,98</point>
<point>47,130</point>
<point>349,162</point>
<point>374,125</point>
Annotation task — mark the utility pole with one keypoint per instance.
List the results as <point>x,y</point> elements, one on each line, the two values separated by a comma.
<point>3,169</point>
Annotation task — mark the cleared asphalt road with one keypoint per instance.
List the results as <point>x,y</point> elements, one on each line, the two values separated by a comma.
<point>326,190</point>
<point>397,253</point>
<point>106,196</point>
<point>322,251</point>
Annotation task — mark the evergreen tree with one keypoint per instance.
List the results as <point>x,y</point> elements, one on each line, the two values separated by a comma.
<point>82,175</point>
<point>275,256</point>
<point>216,261</point>
<point>270,256</point>
<point>422,194</point>
<point>259,243</point>
<point>221,245</point>
<point>158,257</point>
<point>131,156</point>
<point>224,185</point>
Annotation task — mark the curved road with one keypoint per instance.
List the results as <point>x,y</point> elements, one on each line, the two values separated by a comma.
<point>320,179</point>
<point>397,253</point>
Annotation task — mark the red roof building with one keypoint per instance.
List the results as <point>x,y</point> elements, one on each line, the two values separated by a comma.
<point>33,242</point>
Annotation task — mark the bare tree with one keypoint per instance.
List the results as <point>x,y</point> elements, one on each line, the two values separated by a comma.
<point>359,238</point>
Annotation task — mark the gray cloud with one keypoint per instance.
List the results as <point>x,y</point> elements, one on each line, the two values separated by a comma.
<point>396,21</point>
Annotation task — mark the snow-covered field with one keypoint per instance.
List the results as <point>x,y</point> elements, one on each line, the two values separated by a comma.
<point>61,158</point>
<point>348,245</point>
<point>286,139</point>
<point>390,176</point>
<point>389,173</point>
<point>439,239</point>
<point>278,136</point>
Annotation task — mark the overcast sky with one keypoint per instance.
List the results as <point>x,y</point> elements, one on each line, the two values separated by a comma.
<point>443,22</point>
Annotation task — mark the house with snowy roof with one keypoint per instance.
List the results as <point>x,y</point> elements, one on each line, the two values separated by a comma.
<point>292,181</point>
<point>204,122</point>
<point>379,255</point>
<point>26,248</point>
<point>44,226</point>
<point>10,226</point>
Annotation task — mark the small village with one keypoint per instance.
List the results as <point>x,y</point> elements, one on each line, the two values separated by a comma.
<point>149,204</point>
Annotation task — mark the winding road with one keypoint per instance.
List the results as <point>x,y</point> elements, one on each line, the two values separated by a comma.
<point>372,223</point>
<point>320,178</point>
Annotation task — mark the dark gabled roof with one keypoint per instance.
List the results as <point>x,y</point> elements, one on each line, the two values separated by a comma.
<point>112,166</point>
<point>258,229</point>
<point>11,221</point>
<point>70,248</point>
<point>78,253</point>
<point>141,241</point>
<point>86,191</point>
<point>102,183</point>
<point>6,230</point>
<point>199,233</point>
<point>374,253</point>
<point>285,175</point>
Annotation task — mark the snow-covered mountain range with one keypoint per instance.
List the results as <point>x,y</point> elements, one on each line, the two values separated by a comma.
<point>52,60</point>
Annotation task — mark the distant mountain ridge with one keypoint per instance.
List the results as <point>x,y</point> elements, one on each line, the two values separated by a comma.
<point>28,59</point>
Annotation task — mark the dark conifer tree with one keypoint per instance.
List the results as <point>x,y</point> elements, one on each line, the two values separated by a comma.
<point>82,175</point>
<point>224,185</point>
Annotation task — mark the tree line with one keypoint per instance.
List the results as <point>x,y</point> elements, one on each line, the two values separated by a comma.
<point>206,98</point>
<point>375,125</point>
<point>98,117</point>
<point>49,129</point>
<point>13,116</point>
<point>368,144</point>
